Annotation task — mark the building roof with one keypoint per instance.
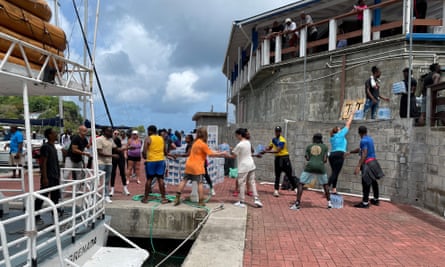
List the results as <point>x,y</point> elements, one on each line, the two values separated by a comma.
<point>199,115</point>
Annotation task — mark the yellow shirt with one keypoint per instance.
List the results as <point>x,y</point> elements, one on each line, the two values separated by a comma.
<point>279,142</point>
<point>155,149</point>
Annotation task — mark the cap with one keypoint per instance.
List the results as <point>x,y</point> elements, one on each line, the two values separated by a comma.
<point>287,20</point>
<point>278,129</point>
<point>134,132</point>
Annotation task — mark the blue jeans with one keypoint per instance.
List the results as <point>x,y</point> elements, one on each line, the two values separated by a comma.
<point>373,106</point>
<point>107,170</point>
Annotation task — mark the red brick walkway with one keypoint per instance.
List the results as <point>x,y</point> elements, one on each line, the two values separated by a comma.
<point>387,235</point>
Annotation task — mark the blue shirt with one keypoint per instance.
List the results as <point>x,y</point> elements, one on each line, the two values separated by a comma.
<point>338,140</point>
<point>16,139</point>
<point>367,143</point>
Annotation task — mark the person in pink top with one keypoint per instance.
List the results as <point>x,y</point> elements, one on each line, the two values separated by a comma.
<point>134,150</point>
<point>361,5</point>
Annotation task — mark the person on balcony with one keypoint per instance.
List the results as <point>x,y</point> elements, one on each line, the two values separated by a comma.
<point>359,8</point>
<point>273,33</point>
<point>420,7</point>
<point>306,19</point>
<point>290,31</point>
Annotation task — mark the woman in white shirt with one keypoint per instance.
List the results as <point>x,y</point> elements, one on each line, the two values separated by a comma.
<point>246,167</point>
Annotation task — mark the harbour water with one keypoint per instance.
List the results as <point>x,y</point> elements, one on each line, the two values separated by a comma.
<point>158,249</point>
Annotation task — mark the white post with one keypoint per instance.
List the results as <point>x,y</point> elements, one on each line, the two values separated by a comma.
<point>194,197</point>
<point>366,33</point>
<point>278,40</point>
<point>303,41</point>
<point>266,52</point>
<point>259,58</point>
<point>406,16</point>
<point>332,34</point>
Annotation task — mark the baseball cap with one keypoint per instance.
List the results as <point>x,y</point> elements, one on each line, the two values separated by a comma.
<point>134,132</point>
<point>278,129</point>
<point>287,20</point>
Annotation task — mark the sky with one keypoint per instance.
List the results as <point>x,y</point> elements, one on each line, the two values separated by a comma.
<point>159,61</point>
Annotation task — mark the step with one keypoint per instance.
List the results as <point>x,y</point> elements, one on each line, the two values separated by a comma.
<point>117,256</point>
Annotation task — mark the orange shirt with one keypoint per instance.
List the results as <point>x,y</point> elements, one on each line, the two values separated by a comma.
<point>198,155</point>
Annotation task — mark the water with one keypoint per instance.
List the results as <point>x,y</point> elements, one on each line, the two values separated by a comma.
<point>336,201</point>
<point>162,247</point>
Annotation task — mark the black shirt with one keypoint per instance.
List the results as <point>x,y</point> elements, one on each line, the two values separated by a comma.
<point>49,152</point>
<point>81,144</point>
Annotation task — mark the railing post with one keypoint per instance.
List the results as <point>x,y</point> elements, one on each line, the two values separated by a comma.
<point>303,41</point>
<point>278,48</point>
<point>332,34</point>
<point>366,32</point>
<point>406,16</point>
<point>266,52</point>
<point>428,107</point>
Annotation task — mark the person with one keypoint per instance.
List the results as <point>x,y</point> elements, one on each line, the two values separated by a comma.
<point>278,146</point>
<point>433,77</point>
<point>273,33</point>
<point>249,192</point>
<point>359,8</point>
<point>372,91</point>
<point>316,155</point>
<point>154,152</point>
<point>336,157</point>
<point>403,111</point>
<point>420,8</point>
<point>76,153</point>
<point>134,149</point>
<point>290,31</point>
<point>194,166</point>
<point>118,162</point>
<point>178,141</point>
<point>369,167</point>
<point>15,150</point>
<point>246,167</point>
<point>49,172</point>
<point>341,42</point>
<point>306,19</point>
<point>106,150</point>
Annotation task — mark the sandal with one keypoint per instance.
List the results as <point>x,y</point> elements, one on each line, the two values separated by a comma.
<point>164,201</point>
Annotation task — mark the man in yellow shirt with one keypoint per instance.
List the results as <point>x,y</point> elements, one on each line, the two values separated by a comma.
<point>154,152</point>
<point>278,146</point>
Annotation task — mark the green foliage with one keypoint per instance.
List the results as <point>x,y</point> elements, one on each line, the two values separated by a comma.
<point>141,129</point>
<point>11,107</point>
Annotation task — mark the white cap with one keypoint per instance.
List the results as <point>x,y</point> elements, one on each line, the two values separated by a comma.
<point>134,132</point>
<point>287,20</point>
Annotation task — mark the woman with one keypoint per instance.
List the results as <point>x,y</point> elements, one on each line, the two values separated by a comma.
<point>134,146</point>
<point>194,166</point>
<point>246,167</point>
<point>338,149</point>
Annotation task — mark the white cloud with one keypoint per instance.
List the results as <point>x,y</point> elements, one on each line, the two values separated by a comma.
<point>180,88</point>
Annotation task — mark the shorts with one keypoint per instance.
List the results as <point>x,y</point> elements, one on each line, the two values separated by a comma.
<point>306,177</point>
<point>16,162</point>
<point>155,169</point>
<point>134,158</point>
<point>193,177</point>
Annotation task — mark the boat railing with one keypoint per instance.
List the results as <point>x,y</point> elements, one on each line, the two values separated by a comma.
<point>264,56</point>
<point>67,73</point>
<point>21,180</point>
<point>84,207</point>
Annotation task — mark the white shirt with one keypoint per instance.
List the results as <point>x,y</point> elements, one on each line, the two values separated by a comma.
<point>243,152</point>
<point>291,27</point>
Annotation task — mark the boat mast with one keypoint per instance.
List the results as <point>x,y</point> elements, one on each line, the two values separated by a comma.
<point>56,22</point>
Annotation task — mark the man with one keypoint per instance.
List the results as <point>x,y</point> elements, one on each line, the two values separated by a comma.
<point>403,112</point>
<point>370,168</point>
<point>372,91</point>
<point>433,77</point>
<point>49,171</point>
<point>290,31</point>
<point>15,151</point>
<point>278,146</point>
<point>306,19</point>
<point>316,155</point>
<point>154,152</point>
<point>76,153</point>
<point>105,147</point>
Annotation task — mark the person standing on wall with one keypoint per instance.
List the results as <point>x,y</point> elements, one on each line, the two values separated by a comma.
<point>278,146</point>
<point>372,91</point>
<point>339,146</point>
<point>433,77</point>
<point>369,167</point>
<point>403,112</point>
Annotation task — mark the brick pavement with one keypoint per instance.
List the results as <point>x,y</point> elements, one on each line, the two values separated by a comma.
<point>386,235</point>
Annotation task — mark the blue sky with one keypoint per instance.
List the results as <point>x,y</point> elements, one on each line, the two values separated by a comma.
<point>159,61</point>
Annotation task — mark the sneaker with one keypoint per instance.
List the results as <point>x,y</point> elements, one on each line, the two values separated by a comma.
<point>108,200</point>
<point>329,204</point>
<point>213,192</point>
<point>361,205</point>
<point>235,193</point>
<point>375,202</point>
<point>296,206</point>
<point>240,204</point>
<point>126,192</point>
<point>258,203</point>
<point>275,193</point>
<point>111,192</point>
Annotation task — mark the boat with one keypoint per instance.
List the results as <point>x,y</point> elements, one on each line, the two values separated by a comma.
<point>39,8</point>
<point>76,229</point>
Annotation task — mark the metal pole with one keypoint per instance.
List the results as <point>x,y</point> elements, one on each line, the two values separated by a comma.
<point>56,22</point>
<point>410,57</point>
